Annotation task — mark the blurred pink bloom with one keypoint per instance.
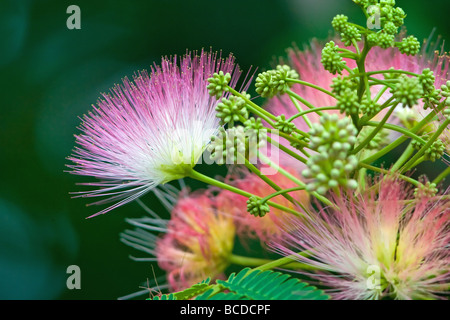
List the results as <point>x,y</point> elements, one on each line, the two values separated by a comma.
<point>263,228</point>
<point>194,244</point>
<point>378,245</point>
<point>151,130</point>
<point>199,240</point>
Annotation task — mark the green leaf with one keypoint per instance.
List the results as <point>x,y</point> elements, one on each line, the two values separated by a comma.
<point>270,285</point>
<point>170,296</point>
<point>205,295</point>
<point>228,296</point>
<point>193,291</point>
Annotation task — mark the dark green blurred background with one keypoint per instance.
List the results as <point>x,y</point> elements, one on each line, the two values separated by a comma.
<point>51,75</point>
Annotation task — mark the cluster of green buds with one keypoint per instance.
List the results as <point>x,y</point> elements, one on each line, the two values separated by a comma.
<point>273,82</point>
<point>434,152</point>
<point>218,84</point>
<point>383,14</point>
<point>332,138</point>
<point>256,207</point>
<point>349,32</point>
<point>425,190</point>
<point>383,25</point>
<point>235,144</point>
<point>331,59</point>
<point>380,140</point>
<point>284,125</point>
<point>228,146</point>
<point>407,91</point>
<point>232,109</point>
<point>432,95</point>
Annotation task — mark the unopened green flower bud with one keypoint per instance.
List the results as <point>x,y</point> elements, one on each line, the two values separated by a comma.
<point>231,110</point>
<point>369,107</point>
<point>328,172</point>
<point>426,190</point>
<point>273,82</point>
<point>381,39</point>
<point>380,140</point>
<point>350,34</point>
<point>253,124</point>
<point>299,137</point>
<point>228,145</point>
<point>427,79</point>
<point>332,129</point>
<point>387,3</point>
<point>339,22</point>
<point>390,28</point>
<point>348,102</point>
<point>409,46</point>
<point>218,83</point>
<point>331,59</point>
<point>435,151</point>
<point>446,113</point>
<point>398,16</point>
<point>256,207</point>
<point>284,125</point>
<point>264,84</point>
<point>408,91</point>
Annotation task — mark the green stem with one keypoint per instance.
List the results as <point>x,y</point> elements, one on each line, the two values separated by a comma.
<point>310,111</point>
<point>282,191</point>
<point>268,181</point>
<point>362,179</point>
<point>394,127</point>
<point>362,69</point>
<point>286,150</point>
<point>287,137</point>
<point>349,52</point>
<point>422,150</point>
<point>265,264</point>
<point>418,161</point>
<point>404,157</point>
<point>358,52</point>
<point>386,83</point>
<point>442,175</point>
<point>382,72</point>
<point>350,71</point>
<point>305,117</point>
<point>380,93</point>
<point>403,138</point>
<point>312,86</point>
<point>302,100</point>
<point>267,116</point>
<point>376,169</point>
<point>386,104</point>
<point>294,179</point>
<point>281,262</point>
<point>374,132</point>
<point>201,177</point>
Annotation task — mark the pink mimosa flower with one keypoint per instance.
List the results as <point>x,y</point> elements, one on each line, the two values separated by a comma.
<point>195,243</point>
<point>151,130</point>
<point>382,244</point>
